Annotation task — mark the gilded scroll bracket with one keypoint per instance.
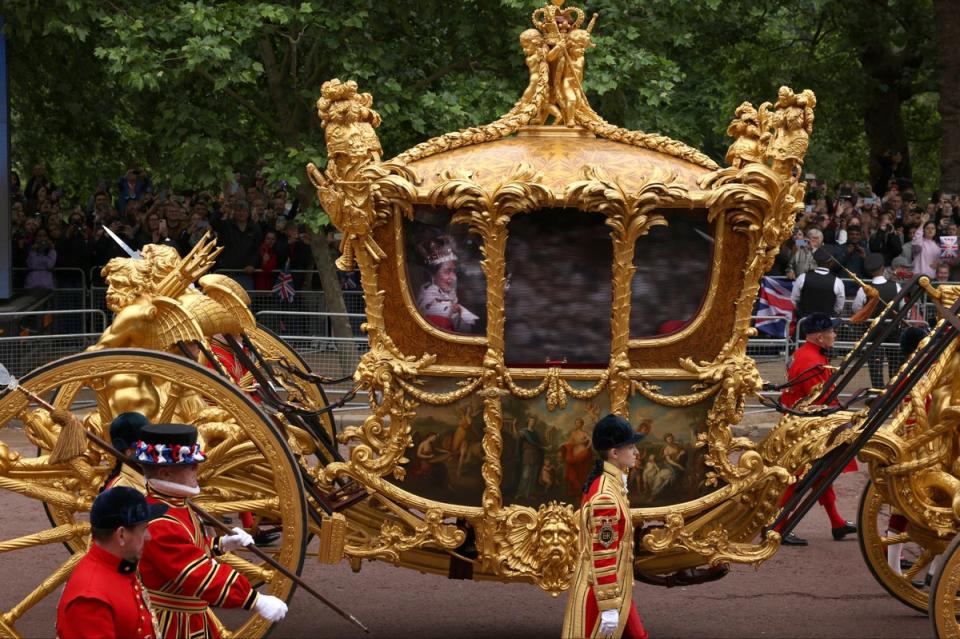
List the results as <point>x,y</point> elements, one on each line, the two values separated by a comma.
<point>711,541</point>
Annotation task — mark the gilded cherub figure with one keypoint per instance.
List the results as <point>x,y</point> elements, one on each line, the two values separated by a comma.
<point>568,81</point>
<point>534,50</point>
<point>792,124</point>
<point>746,130</point>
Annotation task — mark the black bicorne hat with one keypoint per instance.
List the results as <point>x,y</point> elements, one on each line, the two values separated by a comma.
<point>168,445</point>
<point>123,506</point>
<point>819,322</point>
<point>614,431</point>
<point>125,430</point>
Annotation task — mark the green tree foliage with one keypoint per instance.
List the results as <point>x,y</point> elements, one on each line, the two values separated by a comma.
<point>196,89</point>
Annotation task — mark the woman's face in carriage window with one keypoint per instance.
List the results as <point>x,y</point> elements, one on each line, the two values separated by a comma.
<point>446,277</point>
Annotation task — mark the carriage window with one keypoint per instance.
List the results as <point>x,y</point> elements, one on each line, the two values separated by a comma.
<point>673,273</point>
<point>559,266</point>
<point>443,270</point>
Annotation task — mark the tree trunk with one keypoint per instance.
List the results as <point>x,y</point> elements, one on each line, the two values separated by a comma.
<point>883,124</point>
<point>332,294</point>
<point>327,270</point>
<point>948,73</point>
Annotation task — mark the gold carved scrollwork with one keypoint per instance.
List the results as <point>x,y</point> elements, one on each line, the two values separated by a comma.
<point>762,205</point>
<point>629,216</point>
<point>395,537</point>
<point>711,542</point>
<point>554,54</point>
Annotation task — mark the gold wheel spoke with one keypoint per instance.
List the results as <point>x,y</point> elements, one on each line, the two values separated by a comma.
<point>271,505</point>
<point>173,401</point>
<point>46,494</point>
<point>899,538</point>
<point>251,571</point>
<point>103,409</point>
<point>60,534</point>
<point>49,584</point>
<point>922,562</point>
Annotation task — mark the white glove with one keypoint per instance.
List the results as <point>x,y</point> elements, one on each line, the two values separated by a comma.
<point>609,622</point>
<point>238,539</point>
<point>270,608</point>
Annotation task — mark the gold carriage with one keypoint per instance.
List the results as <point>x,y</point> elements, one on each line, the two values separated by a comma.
<point>521,279</point>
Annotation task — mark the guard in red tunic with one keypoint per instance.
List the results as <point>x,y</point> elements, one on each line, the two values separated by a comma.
<point>809,369</point>
<point>104,598</point>
<point>179,567</point>
<point>601,594</point>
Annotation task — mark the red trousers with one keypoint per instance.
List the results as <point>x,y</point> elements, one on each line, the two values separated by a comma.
<point>634,628</point>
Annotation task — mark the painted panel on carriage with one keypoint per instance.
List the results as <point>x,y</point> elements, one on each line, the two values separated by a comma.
<point>547,454</point>
<point>446,456</point>
<point>444,276</point>
<point>673,265</point>
<point>670,469</point>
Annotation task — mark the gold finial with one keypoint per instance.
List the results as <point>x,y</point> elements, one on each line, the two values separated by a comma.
<point>557,3</point>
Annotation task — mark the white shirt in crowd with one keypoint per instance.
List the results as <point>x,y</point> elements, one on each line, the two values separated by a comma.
<point>837,290</point>
<point>861,297</point>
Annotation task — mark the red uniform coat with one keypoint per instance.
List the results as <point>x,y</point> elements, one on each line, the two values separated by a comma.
<point>809,362</point>
<point>183,578</point>
<point>104,600</point>
<point>603,579</point>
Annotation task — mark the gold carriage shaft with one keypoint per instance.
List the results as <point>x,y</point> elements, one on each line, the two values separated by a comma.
<point>521,279</point>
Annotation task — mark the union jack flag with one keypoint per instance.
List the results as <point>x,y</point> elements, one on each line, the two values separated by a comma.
<point>284,286</point>
<point>774,307</point>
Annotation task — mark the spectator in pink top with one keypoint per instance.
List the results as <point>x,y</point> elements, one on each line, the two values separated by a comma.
<point>926,249</point>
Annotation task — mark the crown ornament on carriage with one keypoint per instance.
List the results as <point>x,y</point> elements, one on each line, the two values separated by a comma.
<point>554,17</point>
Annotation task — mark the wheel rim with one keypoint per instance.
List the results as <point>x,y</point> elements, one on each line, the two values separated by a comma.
<point>236,476</point>
<point>872,518</point>
<point>944,591</point>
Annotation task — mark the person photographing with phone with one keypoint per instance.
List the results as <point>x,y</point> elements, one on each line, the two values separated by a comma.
<point>802,260</point>
<point>885,240</point>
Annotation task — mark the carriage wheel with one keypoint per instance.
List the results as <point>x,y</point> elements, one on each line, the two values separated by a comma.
<point>944,591</point>
<point>249,469</point>
<point>873,516</point>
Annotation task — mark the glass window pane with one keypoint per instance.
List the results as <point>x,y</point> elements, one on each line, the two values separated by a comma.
<point>673,273</point>
<point>559,265</point>
<point>443,271</point>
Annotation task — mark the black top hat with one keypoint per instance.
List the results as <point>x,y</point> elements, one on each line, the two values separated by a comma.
<point>819,322</point>
<point>125,430</point>
<point>614,431</point>
<point>123,506</point>
<point>168,445</point>
<point>873,262</point>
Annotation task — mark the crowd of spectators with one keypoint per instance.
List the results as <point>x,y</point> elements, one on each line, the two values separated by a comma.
<point>912,235</point>
<point>256,223</point>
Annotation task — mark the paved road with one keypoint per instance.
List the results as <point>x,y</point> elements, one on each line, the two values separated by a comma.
<point>823,590</point>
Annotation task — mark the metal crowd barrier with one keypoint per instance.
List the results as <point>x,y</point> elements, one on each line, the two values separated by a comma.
<point>334,357</point>
<point>304,323</point>
<point>31,339</point>
<point>69,291</point>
